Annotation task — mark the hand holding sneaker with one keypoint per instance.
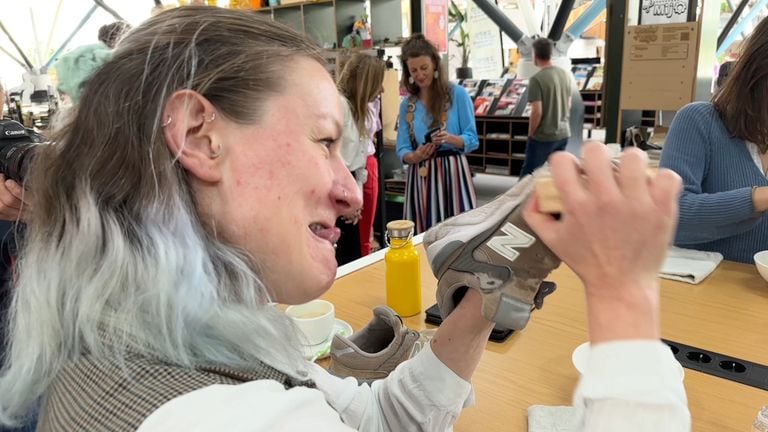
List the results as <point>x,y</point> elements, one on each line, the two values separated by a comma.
<point>613,232</point>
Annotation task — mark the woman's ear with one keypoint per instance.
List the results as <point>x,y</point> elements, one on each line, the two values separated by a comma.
<point>188,122</point>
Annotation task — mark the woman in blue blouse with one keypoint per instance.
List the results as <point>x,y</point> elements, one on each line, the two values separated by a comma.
<point>720,149</point>
<point>435,130</point>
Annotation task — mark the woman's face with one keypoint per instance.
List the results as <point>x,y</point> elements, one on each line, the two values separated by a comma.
<point>422,70</point>
<point>284,184</point>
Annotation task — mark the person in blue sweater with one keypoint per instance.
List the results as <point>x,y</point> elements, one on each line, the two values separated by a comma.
<point>720,149</point>
<point>435,131</point>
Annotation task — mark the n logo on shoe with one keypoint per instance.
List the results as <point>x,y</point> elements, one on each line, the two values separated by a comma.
<point>515,238</point>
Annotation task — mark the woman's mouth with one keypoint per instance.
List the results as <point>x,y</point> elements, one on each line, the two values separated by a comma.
<point>326,232</point>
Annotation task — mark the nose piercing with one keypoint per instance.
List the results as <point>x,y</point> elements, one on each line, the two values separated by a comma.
<point>345,194</point>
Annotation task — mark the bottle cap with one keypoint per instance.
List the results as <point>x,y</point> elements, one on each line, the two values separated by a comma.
<point>400,228</point>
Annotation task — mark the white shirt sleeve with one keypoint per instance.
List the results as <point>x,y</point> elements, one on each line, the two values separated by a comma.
<point>634,385</point>
<point>627,384</point>
<point>352,151</point>
<point>420,395</point>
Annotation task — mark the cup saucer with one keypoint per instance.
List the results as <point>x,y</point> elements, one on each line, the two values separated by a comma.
<point>323,349</point>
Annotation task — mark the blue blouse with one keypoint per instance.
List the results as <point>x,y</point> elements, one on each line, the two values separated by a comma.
<point>461,121</point>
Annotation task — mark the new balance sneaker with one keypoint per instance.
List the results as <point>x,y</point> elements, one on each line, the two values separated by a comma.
<point>377,349</point>
<point>492,250</point>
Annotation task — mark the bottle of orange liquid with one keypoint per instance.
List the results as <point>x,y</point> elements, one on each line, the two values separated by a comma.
<point>403,273</point>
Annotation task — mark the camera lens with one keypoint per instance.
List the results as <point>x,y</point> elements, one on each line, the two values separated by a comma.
<point>15,159</point>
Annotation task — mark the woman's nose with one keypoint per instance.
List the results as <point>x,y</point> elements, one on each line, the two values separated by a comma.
<point>349,197</point>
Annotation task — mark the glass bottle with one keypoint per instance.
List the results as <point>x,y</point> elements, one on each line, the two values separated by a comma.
<point>403,275</point>
<point>761,422</point>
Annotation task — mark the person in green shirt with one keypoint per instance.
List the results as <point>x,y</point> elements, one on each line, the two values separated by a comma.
<point>549,93</point>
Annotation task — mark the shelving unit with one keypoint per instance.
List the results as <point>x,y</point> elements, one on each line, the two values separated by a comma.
<point>502,145</point>
<point>593,108</point>
<point>329,21</point>
<point>648,118</point>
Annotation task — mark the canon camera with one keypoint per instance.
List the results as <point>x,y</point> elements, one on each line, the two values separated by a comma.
<point>18,146</point>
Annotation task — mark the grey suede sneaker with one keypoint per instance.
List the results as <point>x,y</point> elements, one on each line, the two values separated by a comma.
<point>492,250</point>
<point>377,349</point>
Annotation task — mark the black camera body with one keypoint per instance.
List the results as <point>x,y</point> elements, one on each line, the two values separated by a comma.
<point>17,148</point>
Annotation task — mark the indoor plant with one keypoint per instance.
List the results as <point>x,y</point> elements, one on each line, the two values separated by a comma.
<point>460,17</point>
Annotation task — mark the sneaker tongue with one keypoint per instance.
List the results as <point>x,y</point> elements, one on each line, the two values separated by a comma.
<point>387,318</point>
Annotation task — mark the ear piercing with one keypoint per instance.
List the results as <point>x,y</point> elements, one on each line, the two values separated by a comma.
<point>170,120</point>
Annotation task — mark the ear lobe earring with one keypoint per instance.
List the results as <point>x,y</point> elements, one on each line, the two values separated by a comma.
<point>410,80</point>
<point>437,74</point>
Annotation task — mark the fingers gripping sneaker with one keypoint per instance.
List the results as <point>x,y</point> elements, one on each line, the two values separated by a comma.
<point>493,250</point>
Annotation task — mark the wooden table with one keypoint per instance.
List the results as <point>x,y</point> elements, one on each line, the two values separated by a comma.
<point>725,314</point>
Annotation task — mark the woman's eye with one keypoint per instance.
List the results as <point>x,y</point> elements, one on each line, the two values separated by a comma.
<point>328,142</point>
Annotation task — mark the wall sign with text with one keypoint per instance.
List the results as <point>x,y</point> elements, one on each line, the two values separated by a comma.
<point>666,11</point>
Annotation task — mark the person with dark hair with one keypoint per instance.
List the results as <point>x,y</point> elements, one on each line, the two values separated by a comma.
<point>720,149</point>
<point>436,129</point>
<point>549,94</point>
<point>110,34</point>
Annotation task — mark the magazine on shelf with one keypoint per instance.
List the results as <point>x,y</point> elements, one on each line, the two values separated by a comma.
<point>595,81</point>
<point>472,86</point>
<point>483,105</point>
<point>514,99</point>
<point>582,73</point>
<point>493,88</point>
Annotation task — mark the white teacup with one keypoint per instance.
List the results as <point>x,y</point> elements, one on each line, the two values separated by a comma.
<point>580,357</point>
<point>315,320</point>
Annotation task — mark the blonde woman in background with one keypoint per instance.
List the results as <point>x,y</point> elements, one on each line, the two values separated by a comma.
<point>360,84</point>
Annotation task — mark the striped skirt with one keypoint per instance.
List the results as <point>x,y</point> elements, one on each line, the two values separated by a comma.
<point>445,191</point>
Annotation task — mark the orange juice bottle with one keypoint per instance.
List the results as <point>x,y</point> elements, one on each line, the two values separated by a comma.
<point>403,273</point>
